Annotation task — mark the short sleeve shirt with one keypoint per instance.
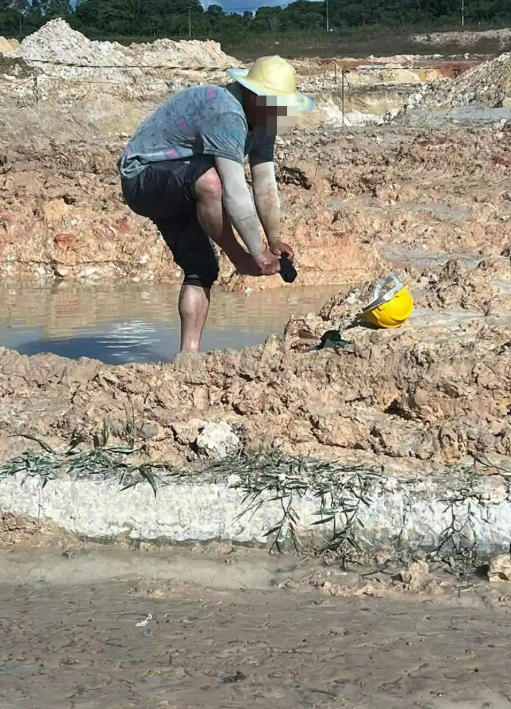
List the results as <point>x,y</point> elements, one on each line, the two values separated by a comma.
<point>202,120</point>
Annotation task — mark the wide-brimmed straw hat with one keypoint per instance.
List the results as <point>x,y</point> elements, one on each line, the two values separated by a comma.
<point>273,76</point>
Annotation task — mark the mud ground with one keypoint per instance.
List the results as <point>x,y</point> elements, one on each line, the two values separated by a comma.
<point>433,392</point>
<point>347,196</point>
<point>357,204</point>
<point>83,627</point>
<point>346,193</point>
<point>239,638</point>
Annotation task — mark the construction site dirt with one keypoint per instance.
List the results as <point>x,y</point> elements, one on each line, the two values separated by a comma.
<point>358,203</point>
<point>249,631</point>
<point>401,436</point>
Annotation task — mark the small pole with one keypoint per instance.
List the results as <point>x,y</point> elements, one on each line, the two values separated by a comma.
<point>189,22</point>
<point>463,13</point>
<point>342,94</point>
<point>327,18</point>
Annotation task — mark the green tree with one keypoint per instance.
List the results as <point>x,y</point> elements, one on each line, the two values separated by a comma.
<point>57,8</point>
<point>267,19</point>
<point>21,8</point>
<point>172,18</point>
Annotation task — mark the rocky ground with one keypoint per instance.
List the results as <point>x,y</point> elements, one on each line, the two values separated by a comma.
<point>357,203</point>
<point>435,391</point>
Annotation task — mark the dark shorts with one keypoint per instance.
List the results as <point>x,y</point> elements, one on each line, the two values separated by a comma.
<point>165,193</point>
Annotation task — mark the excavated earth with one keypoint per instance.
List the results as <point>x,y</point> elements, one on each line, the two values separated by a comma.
<point>433,206</point>
<point>350,198</point>
<point>434,392</point>
<point>358,203</point>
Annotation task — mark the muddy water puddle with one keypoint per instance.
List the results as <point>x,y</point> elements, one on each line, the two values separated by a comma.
<point>139,323</point>
<point>144,642</point>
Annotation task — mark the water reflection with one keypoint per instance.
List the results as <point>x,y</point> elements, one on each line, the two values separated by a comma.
<point>138,322</point>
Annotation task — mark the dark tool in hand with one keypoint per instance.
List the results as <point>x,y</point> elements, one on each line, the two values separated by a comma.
<point>287,270</point>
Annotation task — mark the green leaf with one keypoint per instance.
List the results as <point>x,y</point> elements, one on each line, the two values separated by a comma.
<point>45,446</point>
<point>146,473</point>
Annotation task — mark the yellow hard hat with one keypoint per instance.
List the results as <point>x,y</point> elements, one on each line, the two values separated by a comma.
<point>390,313</point>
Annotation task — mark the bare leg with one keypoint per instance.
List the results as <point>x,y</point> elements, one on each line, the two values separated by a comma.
<point>194,300</point>
<point>215,222</point>
<point>193,311</point>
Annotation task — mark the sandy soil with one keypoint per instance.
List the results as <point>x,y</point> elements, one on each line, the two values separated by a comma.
<point>239,638</point>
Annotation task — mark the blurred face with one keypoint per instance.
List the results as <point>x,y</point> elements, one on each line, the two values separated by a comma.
<point>270,112</point>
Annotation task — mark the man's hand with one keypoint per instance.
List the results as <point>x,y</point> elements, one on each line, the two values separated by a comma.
<point>268,263</point>
<point>279,248</point>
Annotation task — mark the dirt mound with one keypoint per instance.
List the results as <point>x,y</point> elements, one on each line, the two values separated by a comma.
<point>185,53</point>
<point>484,288</point>
<point>464,39</point>
<point>67,67</point>
<point>56,42</point>
<point>8,45</point>
<point>488,84</point>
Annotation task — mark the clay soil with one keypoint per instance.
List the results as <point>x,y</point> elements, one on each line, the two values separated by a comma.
<point>433,205</point>
<point>62,215</point>
<point>357,204</point>
<point>347,195</point>
<point>117,630</point>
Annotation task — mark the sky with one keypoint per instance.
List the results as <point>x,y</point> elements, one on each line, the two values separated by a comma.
<point>242,5</point>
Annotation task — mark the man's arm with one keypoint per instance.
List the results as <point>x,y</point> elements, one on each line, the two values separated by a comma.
<point>240,208</point>
<point>266,197</point>
<point>238,204</point>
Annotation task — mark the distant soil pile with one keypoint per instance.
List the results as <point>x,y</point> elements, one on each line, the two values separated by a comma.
<point>488,84</point>
<point>185,53</point>
<point>8,45</point>
<point>465,39</point>
<point>61,65</point>
<point>57,43</point>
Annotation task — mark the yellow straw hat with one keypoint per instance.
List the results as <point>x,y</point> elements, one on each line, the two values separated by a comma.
<point>273,76</point>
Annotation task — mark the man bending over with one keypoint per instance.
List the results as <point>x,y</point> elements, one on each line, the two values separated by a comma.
<point>183,169</point>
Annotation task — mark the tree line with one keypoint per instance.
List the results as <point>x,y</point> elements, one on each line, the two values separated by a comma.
<point>182,18</point>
